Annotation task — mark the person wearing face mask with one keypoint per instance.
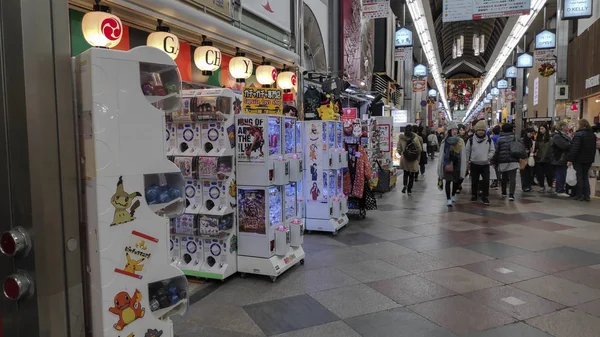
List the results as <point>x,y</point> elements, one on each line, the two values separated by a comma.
<point>527,172</point>
<point>452,166</point>
<point>543,158</point>
<point>480,152</point>
<point>508,162</point>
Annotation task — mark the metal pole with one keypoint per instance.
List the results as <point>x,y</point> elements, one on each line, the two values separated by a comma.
<point>299,16</point>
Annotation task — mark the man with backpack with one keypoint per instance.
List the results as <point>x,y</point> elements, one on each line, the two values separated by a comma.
<point>480,152</point>
<point>409,147</point>
<point>509,151</point>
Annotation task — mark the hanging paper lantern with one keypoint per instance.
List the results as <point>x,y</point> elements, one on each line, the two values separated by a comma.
<point>286,80</point>
<point>101,28</point>
<point>266,74</point>
<point>164,40</point>
<point>240,67</point>
<point>207,58</point>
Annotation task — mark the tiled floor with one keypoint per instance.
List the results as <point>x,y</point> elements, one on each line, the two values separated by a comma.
<point>415,268</point>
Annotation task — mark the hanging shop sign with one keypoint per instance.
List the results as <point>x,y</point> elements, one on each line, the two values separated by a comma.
<point>592,81</point>
<point>511,72</point>
<point>399,117</point>
<point>221,6</point>
<point>164,40</point>
<point>467,10</point>
<point>403,54</point>
<point>240,67</point>
<point>419,85</point>
<point>287,80</point>
<point>544,55</point>
<point>509,96</point>
<point>495,92</point>
<point>349,114</point>
<point>432,93</point>
<point>576,9</point>
<point>100,28</point>
<point>262,100</point>
<point>266,74</point>
<point>536,88</point>
<point>545,39</point>
<point>207,58</point>
<point>403,37</point>
<point>420,70</point>
<point>524,60</point>
<point>276,12</point>
<point>375,9</point>
<point>502,84</point>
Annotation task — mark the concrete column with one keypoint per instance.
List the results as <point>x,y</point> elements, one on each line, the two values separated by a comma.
<point>299,30</point>
<point>519,101</point>
<point>409,98</point>
<point>334,65</point>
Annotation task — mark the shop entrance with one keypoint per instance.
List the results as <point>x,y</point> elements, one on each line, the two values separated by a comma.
<point>40,260</point>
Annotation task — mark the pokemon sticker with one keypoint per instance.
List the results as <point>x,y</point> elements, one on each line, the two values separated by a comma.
<point>153,333</point>
<point>124,204</point>
<point>136,254</point>
<point>128,308</point>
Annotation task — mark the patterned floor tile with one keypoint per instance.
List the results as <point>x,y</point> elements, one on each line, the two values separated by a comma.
<point>589,233</point>
<point>559,290</point>
<point>371,270</point>
<point>426,229</point>
<point>568,323</point>
<point>511,330</point>
<point>546,225</point>
<point>587,217</point>
<point>222,316</point>
<point>530,243</point>
<point>357,239</point>
<point>399,322</point>
<point>331,257</point>
<point>423,244</point>
<point>572,255</point>
<point>573,222</point>
<point>591,308</point>
<point>391,233</point>
<point>418,263</point>
<point>542,262</point>
<point>514,302</point>
<point>411,289</point>
<point>503,271</point>
<point>495,249</point>
<point>539,216</point>
<point>335,329</point>
<point>460,280</point>
<point>585,275</point>
<point>354,301</point>
<point>315,279</point>
<point>289,314</point>
<point>384,249</point>
<point>461,315</point>
<point>458,256</point>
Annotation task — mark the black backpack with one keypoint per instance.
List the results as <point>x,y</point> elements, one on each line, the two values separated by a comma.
<point>411,152</point>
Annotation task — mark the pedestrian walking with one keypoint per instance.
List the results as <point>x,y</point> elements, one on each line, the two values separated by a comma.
<point>509,150</point>
<point>452,166</point>
<point>543,159</point>
<point>561,145</point>
<point>480,153</point>
<point>410,148</point>
<point>581,156</point>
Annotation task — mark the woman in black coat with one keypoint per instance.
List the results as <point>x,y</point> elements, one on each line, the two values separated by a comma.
<point>581,156</point>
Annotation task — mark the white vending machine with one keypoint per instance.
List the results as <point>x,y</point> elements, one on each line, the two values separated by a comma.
<point>268,242</point>
<point>324,161</point>
<point>131,189</point>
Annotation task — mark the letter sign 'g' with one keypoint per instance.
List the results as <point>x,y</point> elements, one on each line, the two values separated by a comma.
<point>170,46</point>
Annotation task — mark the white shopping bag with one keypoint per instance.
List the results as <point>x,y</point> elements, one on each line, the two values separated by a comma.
<point>571,176</point>
<point>493,173</point>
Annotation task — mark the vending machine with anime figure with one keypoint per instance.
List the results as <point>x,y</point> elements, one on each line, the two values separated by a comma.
<point>260,158</point>
<point>324,159</point>
<point>269,242</point>
<point>132,190</point>
<point>290,148</point>
<point>206,246</point>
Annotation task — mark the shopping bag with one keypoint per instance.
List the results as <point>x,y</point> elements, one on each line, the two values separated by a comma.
<point>440,184</point>
<point>571,176</point>
<point>493,175</point>
<point>531,161</point>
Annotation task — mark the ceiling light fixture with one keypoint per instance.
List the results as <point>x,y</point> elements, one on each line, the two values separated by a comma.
<point>520,27</point>
<point>417,13</point>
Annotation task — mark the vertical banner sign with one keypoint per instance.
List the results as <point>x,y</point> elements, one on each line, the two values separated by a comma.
<point>349,114</point>
<point>136,255</point>
<point>403,54</point>
<point>536,86</point>
<point>375,9</point>
<point>252,205</point>
<point>250,139</point>
<point>262,101</point>
<point>313,136</point>
<point>384,137</point>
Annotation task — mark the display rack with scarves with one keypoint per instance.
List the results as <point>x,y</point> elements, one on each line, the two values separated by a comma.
<point>460,91</point>
<point>133,37</point>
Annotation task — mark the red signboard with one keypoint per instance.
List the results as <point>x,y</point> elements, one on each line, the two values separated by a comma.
<point>419,85</point>
<point>349,114</point>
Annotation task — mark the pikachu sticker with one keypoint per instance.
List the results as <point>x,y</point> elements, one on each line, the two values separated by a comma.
<point>136,255</point>
<point>124,204</point>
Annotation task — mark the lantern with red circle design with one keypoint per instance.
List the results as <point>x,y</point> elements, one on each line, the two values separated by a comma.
<point>101,28</point>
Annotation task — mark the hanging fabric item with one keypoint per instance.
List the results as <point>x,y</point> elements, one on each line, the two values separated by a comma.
<point>312,102</point>
<point>363,173</point>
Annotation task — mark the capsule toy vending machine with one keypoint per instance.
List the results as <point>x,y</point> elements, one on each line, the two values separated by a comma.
<point>265,239</point>
<point>131,190</point>
<point>292,204</point>
<point>208,246</point>
<point>324,161</point>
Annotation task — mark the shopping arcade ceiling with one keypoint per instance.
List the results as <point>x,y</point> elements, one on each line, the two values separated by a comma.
<point>468,65</point>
